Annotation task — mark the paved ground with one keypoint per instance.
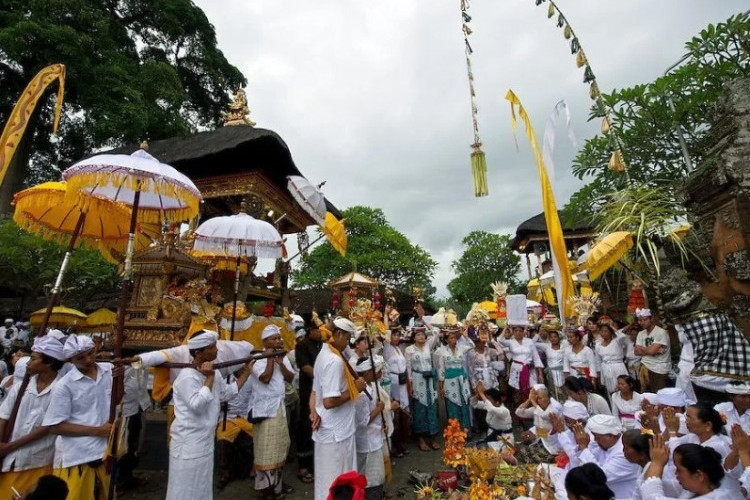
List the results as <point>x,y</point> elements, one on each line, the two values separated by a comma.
<point>154,460</point>
<point>156,485</point>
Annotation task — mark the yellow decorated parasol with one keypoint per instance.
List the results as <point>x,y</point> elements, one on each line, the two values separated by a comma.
<point>45,210</point>
<point>100,320</point>
<point>606,252</point>
<point>61,316</point>
<point>335,232</point>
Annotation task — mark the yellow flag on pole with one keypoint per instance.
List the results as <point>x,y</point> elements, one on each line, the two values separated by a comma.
<point>563,279</point>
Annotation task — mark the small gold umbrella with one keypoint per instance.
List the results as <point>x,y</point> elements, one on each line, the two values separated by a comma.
<point>101,320</point>
<point>61,316</point>
<point>606,252</point>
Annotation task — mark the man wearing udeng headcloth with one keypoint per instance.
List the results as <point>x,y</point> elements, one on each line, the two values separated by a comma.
<point>198,392</point>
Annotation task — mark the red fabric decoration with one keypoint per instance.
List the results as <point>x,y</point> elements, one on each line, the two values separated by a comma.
<point>357,481</point>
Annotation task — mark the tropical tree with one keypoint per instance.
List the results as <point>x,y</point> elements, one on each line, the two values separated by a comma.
<point>487,258</point>
<point>647,116</point>
<point>136,70</point>
<point>376,249</point>
<point>29,266</point>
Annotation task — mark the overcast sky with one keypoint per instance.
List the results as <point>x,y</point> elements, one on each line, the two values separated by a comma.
<point>372,96</point>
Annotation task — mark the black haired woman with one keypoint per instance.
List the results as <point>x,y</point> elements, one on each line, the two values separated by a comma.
<point>626,402</point>
<point>579,389</point>
<point>587,482</point>
<point>698,470</point>
<point>705,427</point>
<point>635,448</point>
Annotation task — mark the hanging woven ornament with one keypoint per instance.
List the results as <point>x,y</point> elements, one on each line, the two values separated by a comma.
<point>594,90</point>
<point>560,21</point>
<point>478,159</point>
<point>581,59</point>
<point>551,11</point>
<point>616,161</point>
<point>575,46</point>
<point>539,2</point>
<point>588,75</point>
<point>605,125</point>
<point>567,32</point>
<point>479,170</point>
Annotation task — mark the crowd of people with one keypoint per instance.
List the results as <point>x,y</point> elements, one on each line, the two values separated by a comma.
<point>595,401</point>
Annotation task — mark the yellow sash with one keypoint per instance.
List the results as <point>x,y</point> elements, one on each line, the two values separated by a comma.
<point>353,391</point>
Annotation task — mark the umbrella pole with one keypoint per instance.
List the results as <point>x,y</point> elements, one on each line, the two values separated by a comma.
<point>377,392</point>
<point>11,423</point>
<point>55,293</point>
<point>225,404</point>
<point>118,381</point>
<point>306,248</point>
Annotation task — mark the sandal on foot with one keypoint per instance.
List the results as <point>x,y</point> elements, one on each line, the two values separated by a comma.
<point>305,477</point>
<point>435,446</point>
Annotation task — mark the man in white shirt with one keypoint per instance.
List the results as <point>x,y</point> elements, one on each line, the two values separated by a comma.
<point>135,401</point>
<point>78,414</point>
<point>332,406</point>
<point>737,410</point>
<point>369,434</point>
<point>8,334</point>
<point>271,434</point>
<point>29,452</point>
<point>652,345</point>
<point>607,452</point>
<point>198,393</point>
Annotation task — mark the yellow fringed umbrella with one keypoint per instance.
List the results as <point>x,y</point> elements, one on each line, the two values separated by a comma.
<point>335,232</point>
<point>606,252</point>
<point>100,320</point>
<point>47,211</point>
<point>61,316</point>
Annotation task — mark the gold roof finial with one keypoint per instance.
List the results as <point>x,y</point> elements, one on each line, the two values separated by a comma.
<point>238,111</point>
<point>144,145</point>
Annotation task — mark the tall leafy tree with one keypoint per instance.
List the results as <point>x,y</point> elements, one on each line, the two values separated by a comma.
<point>136,69</point>
<point>376,249</point>
<point>29,264</point>
<point>646,117</point>
<point>487,258</point>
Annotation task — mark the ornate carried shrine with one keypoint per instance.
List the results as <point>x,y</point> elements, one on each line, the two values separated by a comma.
<point>350,287</point>
<point>158,316</point>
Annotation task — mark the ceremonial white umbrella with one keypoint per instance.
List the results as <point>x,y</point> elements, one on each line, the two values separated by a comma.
<point>239,236</point>
<point>155,193</point>
<point>309,197</point>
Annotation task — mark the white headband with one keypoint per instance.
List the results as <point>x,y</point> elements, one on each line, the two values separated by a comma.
<point>270,331</point>
<point>643,313</point>
<point>604,424</point>
<point>49,346</point>
<point>738,388</point>
<point>575,410</point>
<point>77,344</point>
<point>345,325</point>
<point>202,339</point>
<point>671,396</point>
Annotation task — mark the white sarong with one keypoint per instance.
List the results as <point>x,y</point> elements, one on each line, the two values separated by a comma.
<point>332,460</point>
<point>191,478</point>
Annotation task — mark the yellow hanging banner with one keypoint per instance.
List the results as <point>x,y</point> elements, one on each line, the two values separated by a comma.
<point>19,117</point>
<point>554,228</point>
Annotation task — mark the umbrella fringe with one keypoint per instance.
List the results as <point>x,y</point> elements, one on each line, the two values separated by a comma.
<point>82,181</point>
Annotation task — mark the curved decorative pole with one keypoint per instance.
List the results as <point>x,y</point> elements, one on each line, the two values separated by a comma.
<point>617,159</point>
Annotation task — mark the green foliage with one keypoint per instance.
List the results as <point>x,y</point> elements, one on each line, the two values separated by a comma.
<point>29,267</point>
<point>645,117</point>
<point>136,69</point>
<point>378,250</point>
<point>487,258</point>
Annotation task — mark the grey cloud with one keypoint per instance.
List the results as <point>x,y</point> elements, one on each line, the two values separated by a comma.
<point>372,96</point>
